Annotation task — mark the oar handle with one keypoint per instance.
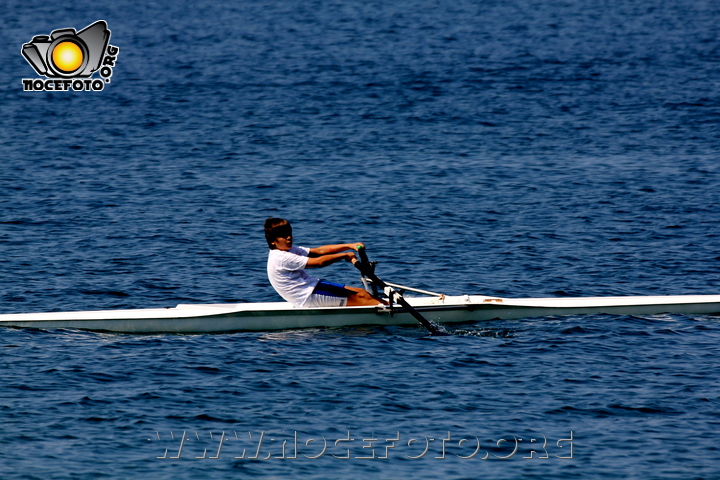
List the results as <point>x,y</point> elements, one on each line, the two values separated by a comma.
<point>363,254</point>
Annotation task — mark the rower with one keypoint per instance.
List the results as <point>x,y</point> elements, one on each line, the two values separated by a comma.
<point>286,270</point>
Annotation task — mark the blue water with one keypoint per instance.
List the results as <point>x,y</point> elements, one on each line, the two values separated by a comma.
<point>519,148</point>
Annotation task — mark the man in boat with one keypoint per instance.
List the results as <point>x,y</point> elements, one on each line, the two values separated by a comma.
<point>286,270</point>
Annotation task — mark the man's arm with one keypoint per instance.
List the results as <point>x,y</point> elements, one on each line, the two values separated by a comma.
<point>332,249</point>
<point>325,260</point>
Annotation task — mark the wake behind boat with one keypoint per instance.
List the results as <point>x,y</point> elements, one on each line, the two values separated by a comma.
<point>282,315</point>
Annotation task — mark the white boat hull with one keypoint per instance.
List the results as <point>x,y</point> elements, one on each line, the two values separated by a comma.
<point>282,316</point>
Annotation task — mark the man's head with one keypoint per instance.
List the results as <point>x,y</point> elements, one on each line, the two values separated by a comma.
<point>278,233</point>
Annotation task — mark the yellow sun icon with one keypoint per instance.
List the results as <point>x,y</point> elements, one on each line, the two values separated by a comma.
<point>67,56</point>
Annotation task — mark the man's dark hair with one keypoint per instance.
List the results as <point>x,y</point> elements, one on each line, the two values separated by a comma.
<point>276,228</point>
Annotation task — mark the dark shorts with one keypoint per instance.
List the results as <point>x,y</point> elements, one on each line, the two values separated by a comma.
<point>332,289</point>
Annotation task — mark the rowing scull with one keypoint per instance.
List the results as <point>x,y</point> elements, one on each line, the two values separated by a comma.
<point>281,315</point>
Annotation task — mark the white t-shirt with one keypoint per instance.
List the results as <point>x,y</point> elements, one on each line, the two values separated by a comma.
<point>286,274</point>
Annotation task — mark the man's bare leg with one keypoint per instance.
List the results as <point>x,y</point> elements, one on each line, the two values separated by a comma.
<point>362,298</point>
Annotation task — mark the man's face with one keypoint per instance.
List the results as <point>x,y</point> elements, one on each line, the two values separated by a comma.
<point>284,243</point>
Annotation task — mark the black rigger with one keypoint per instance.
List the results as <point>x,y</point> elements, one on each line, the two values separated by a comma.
<point>367,269</point>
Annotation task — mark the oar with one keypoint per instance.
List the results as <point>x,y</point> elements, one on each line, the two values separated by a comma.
<point>369,266</point>
<point>366,269</point>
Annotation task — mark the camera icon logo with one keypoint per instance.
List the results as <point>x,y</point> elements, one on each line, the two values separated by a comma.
<point>66,53</point>
<point>67,59</point>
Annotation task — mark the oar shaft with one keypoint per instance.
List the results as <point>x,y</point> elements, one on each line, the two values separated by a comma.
<point>365,270</point>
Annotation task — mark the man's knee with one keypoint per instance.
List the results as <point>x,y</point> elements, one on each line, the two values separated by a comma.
<point>362,297</point>
<point>363,294</point>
